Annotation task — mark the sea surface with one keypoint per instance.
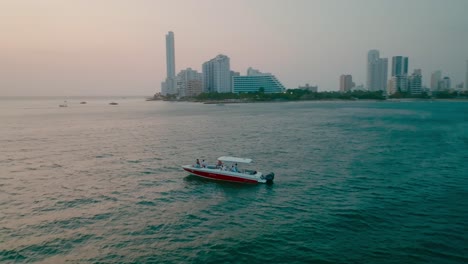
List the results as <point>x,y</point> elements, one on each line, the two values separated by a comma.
<point>356,182</point>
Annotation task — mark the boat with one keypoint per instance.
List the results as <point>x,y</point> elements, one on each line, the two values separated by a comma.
<point>83,102</point>
<point>64,104</point>
<point>222,171</point>
<point>113,103</point>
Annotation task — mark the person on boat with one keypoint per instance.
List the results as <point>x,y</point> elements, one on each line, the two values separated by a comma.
<point>197,165</point>
<point>235,168</point>
<point>203,164</point>
<point>219,165</point>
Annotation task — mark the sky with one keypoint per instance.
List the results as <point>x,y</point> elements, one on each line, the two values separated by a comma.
<point>117,47</point>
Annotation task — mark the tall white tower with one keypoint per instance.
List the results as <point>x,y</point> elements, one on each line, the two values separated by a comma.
<point>170,55</point>
<point>376,71</point>
<point>372,57</point>
<point>169,85</point>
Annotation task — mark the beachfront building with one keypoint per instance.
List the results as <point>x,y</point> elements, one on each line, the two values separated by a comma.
<point>415,82</point>
<point>217,75</point>
<point>377,71</point>
<point>400,74</point>
<point>308,87</point>
<point>256,81</point>
<point>445,84</point>
<point>435,80</point>
<point>194,88</point>
<point>183,79</point>
<point>346,83</point>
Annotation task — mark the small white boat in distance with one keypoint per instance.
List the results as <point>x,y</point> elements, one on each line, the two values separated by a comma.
<point>64,104</point>
<point>226,170</point>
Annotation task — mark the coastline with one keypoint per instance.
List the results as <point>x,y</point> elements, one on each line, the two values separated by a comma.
<point>391,100</point>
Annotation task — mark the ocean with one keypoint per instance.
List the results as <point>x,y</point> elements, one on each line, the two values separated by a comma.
<point>355,182</point>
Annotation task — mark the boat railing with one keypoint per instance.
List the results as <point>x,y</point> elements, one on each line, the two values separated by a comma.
<point>226,168</point>
<point>250,172</point>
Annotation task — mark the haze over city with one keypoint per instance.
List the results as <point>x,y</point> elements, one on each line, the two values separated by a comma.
<point>109,47</point>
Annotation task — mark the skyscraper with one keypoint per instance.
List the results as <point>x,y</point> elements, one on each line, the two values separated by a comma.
<point>399,65</point>
<point>170,55</point>
<point>169,86</point>
<point>377,70</point>
<point>372,56</point>
<point>400,73</point>
<point>346,83</point>
<point>435,80</point>
<point>217,75</point>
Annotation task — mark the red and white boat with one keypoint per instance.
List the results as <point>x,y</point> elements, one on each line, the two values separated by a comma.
<point>227,170</point>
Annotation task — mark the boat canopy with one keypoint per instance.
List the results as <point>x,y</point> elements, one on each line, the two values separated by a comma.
<point>234,159</point>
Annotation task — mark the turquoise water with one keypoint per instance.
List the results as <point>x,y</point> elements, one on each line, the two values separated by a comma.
<point>356,182</point>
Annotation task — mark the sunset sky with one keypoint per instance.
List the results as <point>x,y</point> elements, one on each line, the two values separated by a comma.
<point>117,47</point>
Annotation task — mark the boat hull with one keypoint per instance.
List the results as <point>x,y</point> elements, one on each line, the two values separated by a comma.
<point>220,175</point>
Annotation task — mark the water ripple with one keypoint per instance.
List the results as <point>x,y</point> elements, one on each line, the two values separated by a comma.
<point>356,182</point>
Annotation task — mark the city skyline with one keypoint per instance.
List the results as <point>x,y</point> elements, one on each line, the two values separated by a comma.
<point>108,47</point>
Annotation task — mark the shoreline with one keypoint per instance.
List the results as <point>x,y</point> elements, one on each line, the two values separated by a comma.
<point>394,100</point>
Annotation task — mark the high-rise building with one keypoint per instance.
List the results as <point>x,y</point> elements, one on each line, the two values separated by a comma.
<point>183,79</point>
<point>415,82</point>
<point>346,83</point>
<point>435,80</point>
<point>445,84</point>
<point>233,74</point>
<point>170,55</point>
<point>256,81</point>
<point>377,71</point>
<point>217,75</point>
<point>169,86</point>
<point>372,56</point>
<point>400,73</point>
<point>399,83</point>
<point>399,65</point>
<point>194,88</point>
<point>382,67</point>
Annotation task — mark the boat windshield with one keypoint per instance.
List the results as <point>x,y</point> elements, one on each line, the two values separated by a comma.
<point>234,159</point>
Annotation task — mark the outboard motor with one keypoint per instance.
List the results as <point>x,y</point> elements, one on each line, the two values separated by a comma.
<point>269,177</point>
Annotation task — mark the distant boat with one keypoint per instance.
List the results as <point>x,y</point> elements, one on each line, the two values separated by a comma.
<point>64,104</point>
<point>83,102</point>
<point>113,103</point>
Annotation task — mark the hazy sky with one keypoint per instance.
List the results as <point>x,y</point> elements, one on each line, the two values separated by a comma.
<point>117,47</point>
